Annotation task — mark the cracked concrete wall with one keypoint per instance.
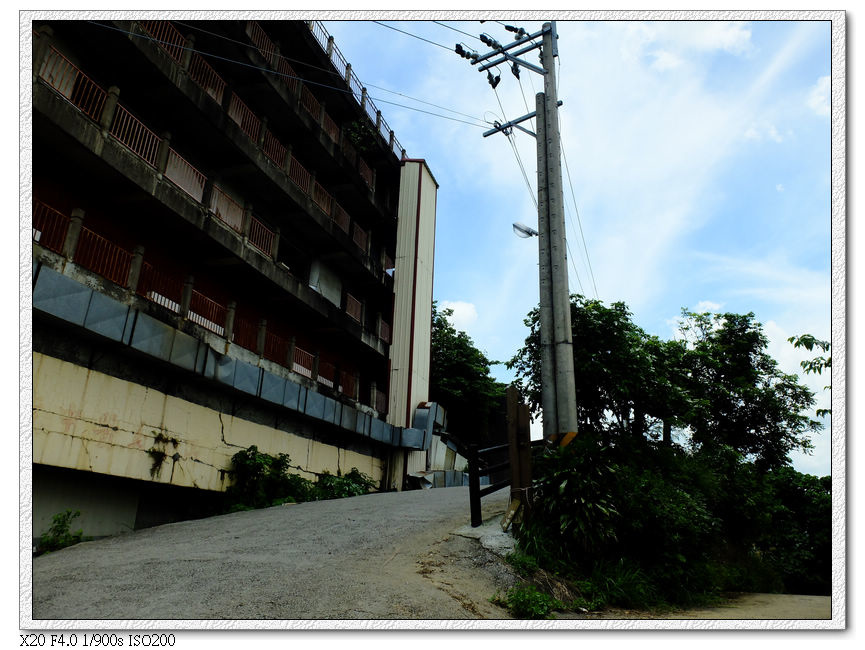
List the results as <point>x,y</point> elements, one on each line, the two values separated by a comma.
<point>90,421</point>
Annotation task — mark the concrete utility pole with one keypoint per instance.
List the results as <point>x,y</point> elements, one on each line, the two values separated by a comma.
<point>558,390</point>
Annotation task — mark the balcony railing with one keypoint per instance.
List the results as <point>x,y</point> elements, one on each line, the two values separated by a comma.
<point>163,288</point>
<point>274,149</point>
<point>384,332</point>
<point>340,217</point>
<point>167,36</point>
<point>131,132</point>
<point>245,333</point>
<point>347,384</point>
<point>49,226</point>
<point>288,75</point>
<point>322,198</point>
<point>185,176</point>
<point>103,257</point>
<point>380,401</point>
<point>365,172</point>
<point>330,127</point>
<point>353,307</point>
<point>202,73</point>
<point>244,117</point>
<point>298,175</point>
<point>326,373</point>
<point>360,238</point>
<point>310,103</point>
<point>275,348</point>
<point>261,236</point>
<point>303,362</point>
<point>226,209</point>
<point>260,39</point>
<point>207,312</point>
<point>61,75</point>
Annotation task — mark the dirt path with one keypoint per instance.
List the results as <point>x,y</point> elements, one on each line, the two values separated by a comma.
<point>381,556</point>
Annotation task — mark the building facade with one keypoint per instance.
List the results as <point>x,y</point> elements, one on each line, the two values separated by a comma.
<point>229,246</point>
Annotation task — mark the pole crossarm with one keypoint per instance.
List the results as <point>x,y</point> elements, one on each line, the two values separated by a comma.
<point>515,123</point>
<point>510,57</point>
<point>514,44</point>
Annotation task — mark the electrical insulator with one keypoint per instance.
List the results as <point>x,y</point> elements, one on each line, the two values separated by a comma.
<point>494,81</point>
<point>516,70</point>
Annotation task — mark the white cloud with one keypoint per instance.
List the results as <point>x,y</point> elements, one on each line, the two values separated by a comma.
<point>464,313</point>
<point>779,187</point>
<point>818,98</point>
<point>706,306</point>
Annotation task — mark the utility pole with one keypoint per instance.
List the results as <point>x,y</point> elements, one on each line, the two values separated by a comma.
<point>558,390</point>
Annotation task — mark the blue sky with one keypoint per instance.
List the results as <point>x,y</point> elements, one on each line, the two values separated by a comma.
<point>697,171</point>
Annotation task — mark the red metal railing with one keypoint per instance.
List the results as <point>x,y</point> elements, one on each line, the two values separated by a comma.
<point>353,307</point>
<point>226,209</point>
<point>131,132</point>
<point>330,127</point>
<point>364,171</point>
<point>288,75</point>
<point>360,237</point>
<point>260,39</point>
<point>298,175</point>
<point>260,236</point>
<point>303,362</point>
<point>347,384</point>
<point>310,103</point>
<point>384,332</point>
<point>102,256</point>
<point>380,401</point>
<point>49,226</point>
<point>340,216</point>
<point>202,73</point>
<point>326,373</point>
<point>273,149</point>
<point>61,75</point>
<point>322,198</point>
<point>245,118</point>
<point>184,175</point>
<point>207,312</point>
<point>167,36</point>
<point>245,333</point>
<point>350,152</point>
<point>276,348</point>
<point>160,287</point>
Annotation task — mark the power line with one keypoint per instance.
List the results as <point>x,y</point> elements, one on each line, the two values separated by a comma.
<point>421,38</point>
<point>457,30</point>
<point>307,81</point>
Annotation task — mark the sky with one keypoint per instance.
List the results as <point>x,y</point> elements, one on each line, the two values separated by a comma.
<point>696,171</point>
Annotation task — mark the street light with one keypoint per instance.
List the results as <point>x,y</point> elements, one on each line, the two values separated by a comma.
<point>524,231</point>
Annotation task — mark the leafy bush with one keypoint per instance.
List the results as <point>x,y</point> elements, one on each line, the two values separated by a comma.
<point>58,535</point>
<point>262,480</point>
<point>525,601</point>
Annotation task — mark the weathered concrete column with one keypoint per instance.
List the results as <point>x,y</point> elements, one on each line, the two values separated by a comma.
<point>186,56</point>
<point>207,195</point>
<point>247,221</point>
<point>162,153</point>
<point>378,121</point>
<point>135,268</point>
<point>311,188</point>
<point>287,164</point>
<point>321,113</point>
<point>329,48</point>
<point>262,131</point>
<point>274,247</point>
<point>230,312</point>
<point>275,56</point>
<point>109,108</point>
<point>363,98</point>
<point>292,343</point>
<point>73,233</point>
<point>316,361</point>
<point>348,74</point>
<point>186,296</point>
<point>391,140</point>
<point>261,338</point>
<point>41,46</point>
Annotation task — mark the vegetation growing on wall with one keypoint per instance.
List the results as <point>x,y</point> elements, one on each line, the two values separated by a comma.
<point>59,535</point>
<point>261,480</point>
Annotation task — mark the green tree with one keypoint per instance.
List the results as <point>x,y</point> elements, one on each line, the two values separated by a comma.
<point>460,380</point>
<point>816,365</point>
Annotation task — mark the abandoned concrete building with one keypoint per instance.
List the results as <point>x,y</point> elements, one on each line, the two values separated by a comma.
<point>230,248</point>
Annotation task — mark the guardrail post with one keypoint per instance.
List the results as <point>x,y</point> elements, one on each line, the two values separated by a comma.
<point>108,109</point>
<point>316,360</point>
<point>247,222</point>
<point>329,49</point>
<point>135,268</point>
<point>261,132</point>
<point>186,296</point>
<point>363,98</point>
<point>474,486</point>
<point>348,75</point>
<point>287,164</point>
<point>311,189</point>
<point>73,233</point>
<point>162,153</point>
<point>321,113</point>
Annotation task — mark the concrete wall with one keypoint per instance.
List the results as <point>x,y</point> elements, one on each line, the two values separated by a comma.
<point>87,420</point>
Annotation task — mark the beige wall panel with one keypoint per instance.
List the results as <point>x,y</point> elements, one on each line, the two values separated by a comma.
<point>110,440</point>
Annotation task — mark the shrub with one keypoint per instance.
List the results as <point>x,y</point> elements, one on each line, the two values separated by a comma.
<point>58,535</point>
<point>525,601</point>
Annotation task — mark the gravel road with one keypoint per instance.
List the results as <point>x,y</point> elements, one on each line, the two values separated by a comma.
<point>404,555</point>
<point>378,556</point>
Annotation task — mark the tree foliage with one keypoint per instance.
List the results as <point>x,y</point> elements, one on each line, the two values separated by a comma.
<point>460,380</point>
<point>637,514</point>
